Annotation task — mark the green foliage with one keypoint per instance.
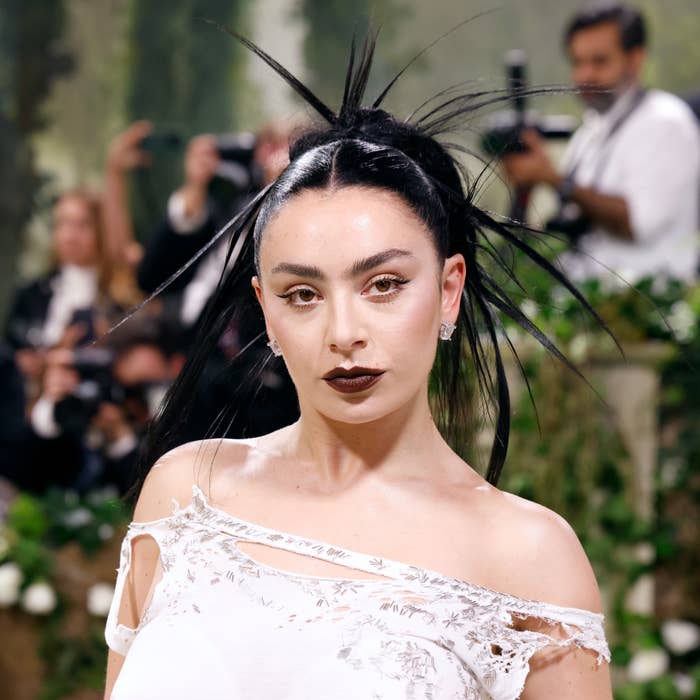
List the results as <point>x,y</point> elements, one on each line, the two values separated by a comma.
<point>74,662</point>
<point>27,518</point>
<point>331,25</point>
<point>30,61</point>
<point>34,530</point>
<point>569,456</point>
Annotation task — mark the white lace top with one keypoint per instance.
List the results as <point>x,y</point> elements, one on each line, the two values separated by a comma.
<point>222,625</point>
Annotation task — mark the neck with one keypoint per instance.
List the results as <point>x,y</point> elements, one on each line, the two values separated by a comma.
<point>402,443</point>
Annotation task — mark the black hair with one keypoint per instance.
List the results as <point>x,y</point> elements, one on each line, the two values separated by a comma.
<point>629,20</point>
<point>367,146</point>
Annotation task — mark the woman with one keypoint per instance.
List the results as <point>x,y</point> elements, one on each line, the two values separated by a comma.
<point>61,308</point>
<point>354,554</point>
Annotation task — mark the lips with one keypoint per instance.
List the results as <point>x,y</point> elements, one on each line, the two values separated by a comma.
<point>353,379</point>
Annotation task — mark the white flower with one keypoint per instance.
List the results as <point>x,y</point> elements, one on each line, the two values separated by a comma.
<point>105,531</point>
<point>645,553</point>
<point>647,664</point>
<point>640,597</point>
<point>660,283</point>
<point>670,470</point>
<point>99,599</point>
<point>78,517</point>
<point>611,283</point>
<point>578,347</point>
<point>10,581</point>
<point>682,321</point>
<point>39,598</point>
<point>529,308</point>
<point>560,295</point>
<point>685,684</point>
<point>680,636</point>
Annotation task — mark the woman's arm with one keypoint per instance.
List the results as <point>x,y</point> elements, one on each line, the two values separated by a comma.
<point>541,559</point>
<point>170,478</point>
<point>551,566</point>
<point>124,154</point>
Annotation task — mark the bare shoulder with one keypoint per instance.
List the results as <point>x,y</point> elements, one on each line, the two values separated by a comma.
<point>540,555</point>
<point>175,473</point>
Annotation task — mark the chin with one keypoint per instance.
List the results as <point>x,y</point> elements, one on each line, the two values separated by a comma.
<point>356,410</point>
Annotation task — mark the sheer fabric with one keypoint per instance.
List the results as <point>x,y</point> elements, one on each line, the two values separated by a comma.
<point>222,625</point>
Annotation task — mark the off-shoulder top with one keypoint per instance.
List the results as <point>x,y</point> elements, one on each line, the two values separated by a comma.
<point>220,624</point>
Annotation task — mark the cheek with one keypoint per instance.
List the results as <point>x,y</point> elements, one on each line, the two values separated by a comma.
<point>87,238</point>
<point>61,241</point>
<point>414,321</point>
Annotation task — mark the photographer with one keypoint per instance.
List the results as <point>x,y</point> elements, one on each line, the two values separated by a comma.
<point>84,290</point>
<point>629,184</point>
<point>195,213</point>
<point>97,402</point>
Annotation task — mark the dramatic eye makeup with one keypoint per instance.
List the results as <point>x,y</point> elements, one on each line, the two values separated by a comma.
<point>389,280</point>
<point>387,286</point>
<point>296,293</point>
<point>359,267</point>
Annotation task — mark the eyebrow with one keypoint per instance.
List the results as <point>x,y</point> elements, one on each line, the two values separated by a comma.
<point>357,268</point>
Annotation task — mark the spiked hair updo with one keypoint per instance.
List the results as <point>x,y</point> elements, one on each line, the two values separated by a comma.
<point>367,146</point>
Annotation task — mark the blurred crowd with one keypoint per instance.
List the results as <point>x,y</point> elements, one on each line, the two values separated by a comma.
<point>76,401</point>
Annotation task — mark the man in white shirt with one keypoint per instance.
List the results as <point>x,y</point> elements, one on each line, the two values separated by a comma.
<point>630,178</point>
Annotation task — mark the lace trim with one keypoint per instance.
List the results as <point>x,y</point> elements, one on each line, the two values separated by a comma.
<point>386,567</point>
<point>485,639</point>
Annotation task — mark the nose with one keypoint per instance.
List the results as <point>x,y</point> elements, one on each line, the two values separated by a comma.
<point>346,330</point>
<point>584,74</point>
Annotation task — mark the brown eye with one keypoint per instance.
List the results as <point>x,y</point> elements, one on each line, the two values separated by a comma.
<point>302,292</point>
<point>383,285</point>
<point>387,287</point>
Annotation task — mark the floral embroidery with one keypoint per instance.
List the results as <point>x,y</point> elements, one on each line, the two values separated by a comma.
<point>418,632</point>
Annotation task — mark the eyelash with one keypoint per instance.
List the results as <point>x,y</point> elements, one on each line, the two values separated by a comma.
<point>288,296</point>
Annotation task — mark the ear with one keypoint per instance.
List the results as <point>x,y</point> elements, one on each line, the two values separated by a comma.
<point>454,274</point>
<point>255,283</point>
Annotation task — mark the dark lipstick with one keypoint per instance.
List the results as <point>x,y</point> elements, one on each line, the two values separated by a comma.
<point>353,379</point>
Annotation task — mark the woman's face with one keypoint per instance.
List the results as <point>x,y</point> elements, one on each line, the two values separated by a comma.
<point>351,278</point>
<point>74,232</point>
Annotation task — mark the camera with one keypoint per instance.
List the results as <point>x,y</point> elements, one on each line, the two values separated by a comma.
<point>570,221</point>
<point>96,386</point>
<point>503,129</point>
<point>502,135</point>
<point>236,150</point>
<point>237,153</point>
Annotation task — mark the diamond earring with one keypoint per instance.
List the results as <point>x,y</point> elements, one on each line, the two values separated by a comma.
<point>275,347</point>
<point>446,330</point>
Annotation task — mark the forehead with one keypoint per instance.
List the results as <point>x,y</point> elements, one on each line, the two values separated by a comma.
<point>72,205</point>
<point>600,37</point>
<point>330,227</point>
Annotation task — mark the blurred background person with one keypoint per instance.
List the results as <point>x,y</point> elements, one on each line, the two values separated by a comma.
<point>14,430</point>
<point>195,213</point>
<point>213,192</point>
<point>75,300</point>
<point>629,183</point>
<point>95,405</point>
